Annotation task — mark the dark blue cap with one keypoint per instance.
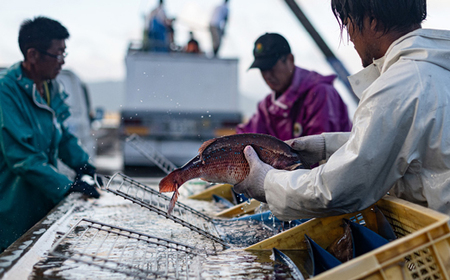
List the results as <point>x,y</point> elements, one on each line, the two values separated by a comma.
<point>268,49</point>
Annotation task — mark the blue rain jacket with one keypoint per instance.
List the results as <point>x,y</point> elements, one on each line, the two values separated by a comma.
<point>32,137</point>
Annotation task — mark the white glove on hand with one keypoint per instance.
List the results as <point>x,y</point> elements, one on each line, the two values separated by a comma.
<point>312,148</point>
<point>253,185</point>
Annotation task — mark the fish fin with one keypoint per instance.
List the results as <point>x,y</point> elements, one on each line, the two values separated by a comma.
<point>284,259</point>
<point>364,239</point>
<point>206,180</point>
<point>204,146</point>
<point>172,202</point>
<point>295,166</point>
<point>384,228</point>
<point>167,184</point>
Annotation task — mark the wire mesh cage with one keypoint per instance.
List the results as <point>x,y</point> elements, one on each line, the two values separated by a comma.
<point>130,253</point>
<point>151,199</point>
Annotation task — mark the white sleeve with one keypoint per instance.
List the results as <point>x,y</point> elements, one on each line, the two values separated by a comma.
<point>333,141</point>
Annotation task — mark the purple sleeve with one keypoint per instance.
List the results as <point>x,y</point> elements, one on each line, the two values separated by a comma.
<point>257,123</point>
<point>324,111</point>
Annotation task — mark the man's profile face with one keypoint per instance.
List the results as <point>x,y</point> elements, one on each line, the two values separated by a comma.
<point>280,76</point>
<point>48,66</point>
<point>362,41</point>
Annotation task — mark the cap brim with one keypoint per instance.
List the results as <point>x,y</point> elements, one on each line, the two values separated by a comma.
<point>264,63</point>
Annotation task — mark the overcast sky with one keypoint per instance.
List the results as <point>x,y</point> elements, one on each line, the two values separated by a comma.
<point>102,29</point>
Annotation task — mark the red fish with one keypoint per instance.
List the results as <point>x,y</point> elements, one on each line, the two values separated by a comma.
<point>221,160</point>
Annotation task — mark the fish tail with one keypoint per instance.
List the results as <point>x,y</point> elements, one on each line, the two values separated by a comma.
<point>172,202</point>
<point>170,182</point>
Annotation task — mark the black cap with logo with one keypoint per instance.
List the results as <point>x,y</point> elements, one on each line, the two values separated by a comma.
<point>268,49</point>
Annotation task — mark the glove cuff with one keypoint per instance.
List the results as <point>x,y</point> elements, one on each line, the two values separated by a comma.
<point>319,146</point>
<point>87,169</point>
<point>324,148</point>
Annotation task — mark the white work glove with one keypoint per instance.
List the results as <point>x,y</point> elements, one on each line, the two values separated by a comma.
<point>253,185</point>
<point>312,148</point>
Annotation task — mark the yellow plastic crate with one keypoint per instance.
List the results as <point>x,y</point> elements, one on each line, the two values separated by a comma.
<point>422,250</point>
<point>224,190</point>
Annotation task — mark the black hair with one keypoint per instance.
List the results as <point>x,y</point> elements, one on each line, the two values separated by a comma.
<point>39,32</point>
<point>393,15</point>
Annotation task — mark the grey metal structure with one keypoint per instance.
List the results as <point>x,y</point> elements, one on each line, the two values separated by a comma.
<point>334,62</point>
<point>151,199</point>
<point>175,102</point>
<point>149,152</point>
<point>131,253</point>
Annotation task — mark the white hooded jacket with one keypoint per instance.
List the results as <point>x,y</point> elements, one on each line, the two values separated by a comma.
<point>400,141</point>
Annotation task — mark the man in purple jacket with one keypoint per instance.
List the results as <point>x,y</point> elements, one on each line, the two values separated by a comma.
<point>302,102</point>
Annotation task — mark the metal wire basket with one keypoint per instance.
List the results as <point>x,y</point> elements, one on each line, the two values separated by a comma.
<point>127,252</point>
<point>151,199</point>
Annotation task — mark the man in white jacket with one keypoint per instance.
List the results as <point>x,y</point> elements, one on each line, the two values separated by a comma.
<point>400,141</point>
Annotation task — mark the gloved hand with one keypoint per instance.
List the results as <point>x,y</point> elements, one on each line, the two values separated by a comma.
<point>253,185</point>
<point>88,170</point>
<point>84,187</point>
<point>312,148</point>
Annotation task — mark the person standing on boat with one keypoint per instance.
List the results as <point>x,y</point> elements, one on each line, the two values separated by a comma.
<point>33,134</point>
<point>400,141</point>
<point>159,28</point>
<point>217,25</point>
<point>301,103</point>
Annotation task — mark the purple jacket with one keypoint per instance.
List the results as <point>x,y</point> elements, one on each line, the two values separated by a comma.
<point>311,105</point>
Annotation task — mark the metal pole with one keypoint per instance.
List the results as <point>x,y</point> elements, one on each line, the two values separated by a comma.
<point>335,63</point>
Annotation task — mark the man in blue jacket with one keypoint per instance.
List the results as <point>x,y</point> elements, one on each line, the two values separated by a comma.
<point>33,135</point>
